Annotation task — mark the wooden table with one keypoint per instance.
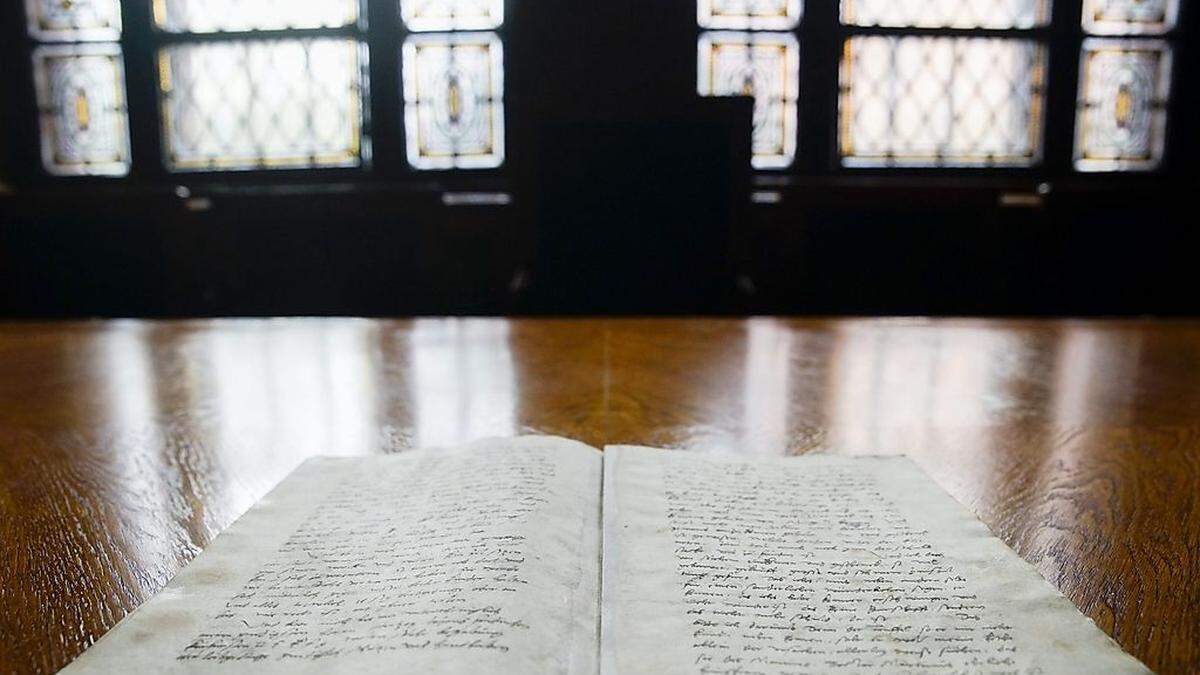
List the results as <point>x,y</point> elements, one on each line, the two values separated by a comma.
<point>125,447</point>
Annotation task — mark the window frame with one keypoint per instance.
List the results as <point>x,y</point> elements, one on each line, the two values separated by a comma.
<point>453,35</point>
<point>143,41</point>
<point>820,34</point>
<point>822,37</point>
<point>823,40</point>
<point>1172,39</point>
<point>379,30</point>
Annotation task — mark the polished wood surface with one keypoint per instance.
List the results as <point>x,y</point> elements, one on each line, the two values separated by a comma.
<point>126,446</point>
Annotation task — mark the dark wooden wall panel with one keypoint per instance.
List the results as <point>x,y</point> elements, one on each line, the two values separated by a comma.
<point>258,255</point>
<point>381,242</point>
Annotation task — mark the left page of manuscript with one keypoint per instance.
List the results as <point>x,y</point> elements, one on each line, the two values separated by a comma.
<point>480,559</point>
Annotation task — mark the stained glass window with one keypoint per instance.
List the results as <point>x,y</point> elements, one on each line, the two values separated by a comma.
<point>941,101</point>
<point>765,66</point>
<point>760,59</point>
<point>453,84</point>
<point>1121,123</point>
<point>995,14</point>
<point>81,102</point>
<point>73,20</point>
<point>215,16</point>
<point>1129,17</point>
<point>426,15</point>
<point>260,104</point>
<point>1124,85</point>
<point>453,100</point>
<point>749,14</point>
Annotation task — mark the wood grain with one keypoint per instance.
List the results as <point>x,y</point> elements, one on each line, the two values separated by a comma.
<point>126,446</point>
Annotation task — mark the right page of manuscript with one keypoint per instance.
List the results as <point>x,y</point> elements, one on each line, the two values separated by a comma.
<point>819,564</point>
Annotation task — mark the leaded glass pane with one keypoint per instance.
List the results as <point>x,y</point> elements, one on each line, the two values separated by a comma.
<point>423,15</point>
<point>81,103</point>
<point>941,101</point>
<point>217,16</point>
<point>996,14</point>
<point>1129,17</point>
<point>749,14</point>
<point>1122,116</point>
<point>74,19</point>
<point>454,101</point>
<point>262,104</point>
<point>767,67</point>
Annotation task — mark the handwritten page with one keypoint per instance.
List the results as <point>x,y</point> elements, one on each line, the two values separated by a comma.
<point>478,560</point>
<point>819,564</point>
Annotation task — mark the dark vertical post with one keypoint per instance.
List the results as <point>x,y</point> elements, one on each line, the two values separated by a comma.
<point>1183,134</point>
<point>140,48</point>
<point>1062,77</point>
<point>821,37</point>
<point>19,141</point>
<point>384,37</point>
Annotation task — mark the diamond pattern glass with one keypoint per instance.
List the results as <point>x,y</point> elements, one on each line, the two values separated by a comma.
<point>749,14</point>
<point>1129,17</point>
<point>941,101</point>
<point>1123,92</point>
<point>217,16</point>
<point>76,20</point>
<point>995,14</point>
<point>262,104</point>
<point>81,104</point>
<point>765,66</point>
<point>454,100</point>
<point>427,15</point>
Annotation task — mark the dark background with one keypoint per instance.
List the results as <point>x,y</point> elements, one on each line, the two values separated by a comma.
<point>641,226</point>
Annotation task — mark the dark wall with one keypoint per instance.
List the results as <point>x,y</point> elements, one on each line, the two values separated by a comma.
<point>822,249</point>
<point>958,250</point>
<point>357,252</point>
<point>815,241</point>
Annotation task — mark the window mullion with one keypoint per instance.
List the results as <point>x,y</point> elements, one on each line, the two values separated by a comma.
<point>1062,78</point>
<point>384,36</point>
<point>821,35</point>
<point>141,73</point>
<point>20,116</point>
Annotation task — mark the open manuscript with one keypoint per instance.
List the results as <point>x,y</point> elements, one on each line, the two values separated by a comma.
<point>542,555</point>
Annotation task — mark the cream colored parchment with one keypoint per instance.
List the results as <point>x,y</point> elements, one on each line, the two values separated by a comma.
<point>819,564</point>
<point>481,559</point>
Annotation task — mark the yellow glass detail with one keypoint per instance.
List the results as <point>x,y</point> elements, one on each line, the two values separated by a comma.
<point>1124,107</point>
<point>454,100</point>
<point>83,113</point>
